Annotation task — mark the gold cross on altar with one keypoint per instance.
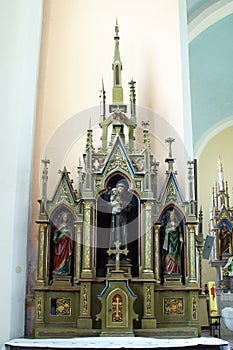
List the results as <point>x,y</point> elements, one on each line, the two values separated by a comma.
<point>117,306</point>
<point>117,252</point>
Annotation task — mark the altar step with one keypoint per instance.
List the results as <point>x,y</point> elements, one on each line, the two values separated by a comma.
<point>117,343</point>
<point>165,333</point>
<point>168,333</point>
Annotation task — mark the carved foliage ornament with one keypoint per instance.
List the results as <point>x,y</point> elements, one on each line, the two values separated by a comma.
<point>118,162</point>
<point>171,192</point>
<point>173,306</point>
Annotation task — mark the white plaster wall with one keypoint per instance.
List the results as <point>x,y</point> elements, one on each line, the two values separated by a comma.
<point>20,27</point>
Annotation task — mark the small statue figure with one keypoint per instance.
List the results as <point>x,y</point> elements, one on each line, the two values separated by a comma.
<point>172,244</point>
<point>115,201</point>
<point>120,206</point>
<point>62,249</point>
<point>225,239</point>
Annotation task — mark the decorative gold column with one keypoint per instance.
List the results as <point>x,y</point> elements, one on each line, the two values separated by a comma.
<point>87,240</point>
<point>147,271</point>
<point>84,320</point>
<point>148,320</point>
<point>156,254</point>
<point>42,249</point>
<point>192,254</point>
<point>78,235</point>
<point>39,307</point>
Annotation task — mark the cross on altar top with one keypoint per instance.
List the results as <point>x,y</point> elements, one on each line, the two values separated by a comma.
<point>117,251</point>
<point>45,161</point>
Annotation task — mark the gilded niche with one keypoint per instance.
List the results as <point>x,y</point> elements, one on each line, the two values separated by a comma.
<point>117,308</point>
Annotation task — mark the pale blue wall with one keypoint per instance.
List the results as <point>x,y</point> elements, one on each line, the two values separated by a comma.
<point>20,31</point>
<point>211,76</point>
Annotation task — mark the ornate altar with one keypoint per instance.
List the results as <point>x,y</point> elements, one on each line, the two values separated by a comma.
<point>117,255</point>
<point>221,228</point>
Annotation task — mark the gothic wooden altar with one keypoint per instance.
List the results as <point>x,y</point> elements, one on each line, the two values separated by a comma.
<point>117,256</point>
<point>221,228</point>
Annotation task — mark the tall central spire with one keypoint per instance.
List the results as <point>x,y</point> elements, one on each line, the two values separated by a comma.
<point>117,91</point>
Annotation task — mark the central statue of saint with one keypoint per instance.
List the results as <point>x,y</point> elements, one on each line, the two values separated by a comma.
<point>120,207</point>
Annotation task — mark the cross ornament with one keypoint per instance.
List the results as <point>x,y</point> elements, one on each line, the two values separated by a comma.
<point>170,140</point>
<point>145,124</point>
<point>118,305</point>
<point>45,161</point>
<point>117,251</point>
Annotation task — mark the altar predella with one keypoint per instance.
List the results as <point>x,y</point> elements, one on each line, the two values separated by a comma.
<point>116,256</point>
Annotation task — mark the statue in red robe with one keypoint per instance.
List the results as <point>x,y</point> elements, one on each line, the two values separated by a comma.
<point>62,248</point>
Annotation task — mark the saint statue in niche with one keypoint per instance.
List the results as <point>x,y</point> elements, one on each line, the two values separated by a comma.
<point>225,239</point>
<point>172,243</point>
<point>117,220</point>
<point>62,236</point>
<point>120,206</point>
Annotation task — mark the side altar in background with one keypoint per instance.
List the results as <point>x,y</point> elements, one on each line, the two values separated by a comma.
<point>221,231</point>
<point>117,255</point>
<point>221,228</point>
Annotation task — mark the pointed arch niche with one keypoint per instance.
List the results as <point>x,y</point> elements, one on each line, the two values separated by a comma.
<point>105,240</point>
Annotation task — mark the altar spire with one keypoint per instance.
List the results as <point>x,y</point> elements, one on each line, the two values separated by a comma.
<point>221,186</point>
<point>117,91</point>
<point>102,102</point>
<point>220,175</point>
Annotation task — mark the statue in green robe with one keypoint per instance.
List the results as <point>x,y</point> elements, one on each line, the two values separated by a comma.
<point>172,243</point>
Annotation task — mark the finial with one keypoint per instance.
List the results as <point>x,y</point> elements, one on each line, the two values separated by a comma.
<point>45,170</point>
<point>102,102</point>
<point>213,197</point>
<point>220,175</point>
<point>132,97</point>
<point>170,160</point>
<point>44,186</point>
<point>45,161</point>
<point>219,162</point>
<point>190,178</point>
<point>117,29</point>
<point>132,82</point>
<point>200,212</point>
<point>89,144</point>
<point>227,195</point>
<point>145,124</point>
<point>170,140</point>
